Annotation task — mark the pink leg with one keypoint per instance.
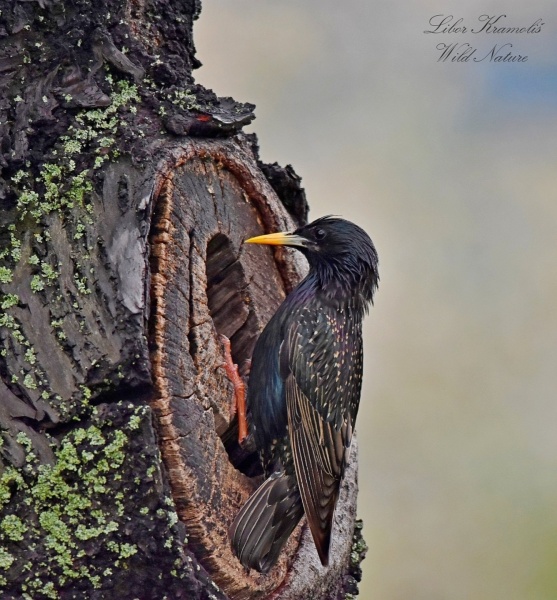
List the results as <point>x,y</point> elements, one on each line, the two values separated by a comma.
<point>239,401</point>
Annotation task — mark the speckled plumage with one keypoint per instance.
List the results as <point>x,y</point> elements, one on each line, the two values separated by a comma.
<point>304,391</point>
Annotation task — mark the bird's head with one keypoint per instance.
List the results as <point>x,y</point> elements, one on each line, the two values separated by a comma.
<point>340,254</point>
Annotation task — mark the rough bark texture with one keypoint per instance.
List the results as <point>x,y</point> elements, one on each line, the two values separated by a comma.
<point>125,195</point>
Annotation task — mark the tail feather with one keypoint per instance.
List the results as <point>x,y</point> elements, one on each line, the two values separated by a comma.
<point>266,521</point>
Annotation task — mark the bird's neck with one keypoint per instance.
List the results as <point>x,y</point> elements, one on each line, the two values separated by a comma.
<point>337,289</point>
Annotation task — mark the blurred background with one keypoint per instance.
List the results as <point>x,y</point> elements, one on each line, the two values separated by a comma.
<point>452,169</point>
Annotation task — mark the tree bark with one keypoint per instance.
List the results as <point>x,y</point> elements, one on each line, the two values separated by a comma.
<point>126,192</point>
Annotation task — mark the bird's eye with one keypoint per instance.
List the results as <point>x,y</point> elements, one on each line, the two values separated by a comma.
<point>320,234</point>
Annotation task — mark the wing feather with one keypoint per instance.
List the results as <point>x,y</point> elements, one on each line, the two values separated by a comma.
<point>318,488</point>
<point>321,366</point>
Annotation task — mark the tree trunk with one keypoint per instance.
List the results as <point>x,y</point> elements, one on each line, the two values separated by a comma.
<point>126,192</point>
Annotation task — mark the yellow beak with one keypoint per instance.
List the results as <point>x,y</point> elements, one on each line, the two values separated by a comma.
<point>279,239</point>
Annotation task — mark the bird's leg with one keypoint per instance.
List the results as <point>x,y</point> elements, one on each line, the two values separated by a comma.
<point>239,402</point>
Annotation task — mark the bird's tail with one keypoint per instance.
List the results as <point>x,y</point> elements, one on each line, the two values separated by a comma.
<point>266,521</point>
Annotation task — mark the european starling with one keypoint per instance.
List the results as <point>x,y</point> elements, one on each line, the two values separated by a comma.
<point>304,390</point>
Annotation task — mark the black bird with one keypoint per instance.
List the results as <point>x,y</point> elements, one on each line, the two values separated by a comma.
<point>304,390</point>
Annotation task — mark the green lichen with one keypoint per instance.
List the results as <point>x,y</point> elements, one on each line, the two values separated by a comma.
<point>60,188</point>
<point>72,146</point>
<point>75,501</point>
<point>81,284</point>
<point>9,480</point>
<point>15,244</point>
<point>6,275</point>
<point>81,500</point>
<point>6,559</point>
<point>23,439</point>
<point>79,231</point>
<point>29,382</point>
<point>30,356</point>
<point>8,300</point>
<point>12,528</point>
<point>59,185</point>
<point>184,99</point>
<point>86,394</point>
<point>48,272</point>
<point>37,284</point>
<point>57,325</point>
<point>19,176</point>
<point>122,550</point>
<point>48,590</point>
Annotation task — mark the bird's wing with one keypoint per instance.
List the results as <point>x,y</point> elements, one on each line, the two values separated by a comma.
<point>318,362</point>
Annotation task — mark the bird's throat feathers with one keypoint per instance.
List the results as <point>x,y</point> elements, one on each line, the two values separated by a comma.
<point>339,286</point>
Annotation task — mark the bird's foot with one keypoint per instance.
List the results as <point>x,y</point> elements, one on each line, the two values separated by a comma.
<point>238,404</point>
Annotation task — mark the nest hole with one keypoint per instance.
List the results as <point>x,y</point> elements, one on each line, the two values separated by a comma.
<point>229,307</point>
